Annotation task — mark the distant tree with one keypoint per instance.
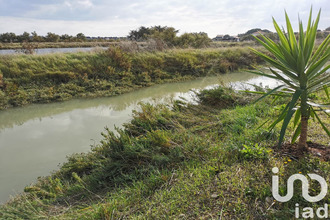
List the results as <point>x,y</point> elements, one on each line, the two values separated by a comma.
<point>168,37</point>
<point>81,37</point>
<point>159,33</point>
<point>25,37</point>
<point>196,40</point>
<point>251,31</point>
<point>66,37</point>
<point>52,37</point>
<point>159,28</point>
<point>247,36</point>
<point>36,37</point>
<point>227,36</point>
<point>8,37</point>
<point>165,34</point>
<point>327,29</point>
<point>139,35</point>
<point>185,40</point>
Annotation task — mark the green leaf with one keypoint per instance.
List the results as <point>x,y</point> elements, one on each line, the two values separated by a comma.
<point>288,115</point>
<point>281,35</point>
<point>321,81</point>
<point>270,92</point>
<point>317,73</point>
<point>318,87</point>
<point>292,37</point>
<point>320,50</point>
<point>313,70</point>
<point>296,117</point>
<point>326,111</point>
<point>323,126</point>
<point>296,134</point>
<point>279,118</point>
<point>276,98</point>
<point>326,91</point>
<point>318,105</point>
<point>279,77</point>
<point>263,124</point>
<point>260,73</point>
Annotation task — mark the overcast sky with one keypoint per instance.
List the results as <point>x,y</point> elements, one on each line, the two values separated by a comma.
<point>117,18</point>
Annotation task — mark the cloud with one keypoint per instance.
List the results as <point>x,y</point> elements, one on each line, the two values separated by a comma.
<point>112,18</point>
<point>85,3</point>
<point>89,28</point>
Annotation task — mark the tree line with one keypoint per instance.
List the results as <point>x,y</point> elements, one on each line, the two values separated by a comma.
<point>163,36</point>
<point>34,37</point>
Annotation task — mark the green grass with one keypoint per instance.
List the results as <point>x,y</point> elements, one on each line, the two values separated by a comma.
<point>186,161</point>
<point>48,78</point>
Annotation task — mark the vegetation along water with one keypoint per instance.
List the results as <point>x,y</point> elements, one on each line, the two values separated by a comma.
<point>208,159</point>
<point>28,79</point>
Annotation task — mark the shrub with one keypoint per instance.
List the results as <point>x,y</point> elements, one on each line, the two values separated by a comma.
<point>221,97</point>
<point>195,40</point>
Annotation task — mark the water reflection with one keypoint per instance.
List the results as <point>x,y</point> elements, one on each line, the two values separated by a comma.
<point>52,50</point>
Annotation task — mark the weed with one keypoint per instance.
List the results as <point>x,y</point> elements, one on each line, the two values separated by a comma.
<point>254,152</point>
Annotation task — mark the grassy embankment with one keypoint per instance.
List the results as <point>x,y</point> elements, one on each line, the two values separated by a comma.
<point>183,162</point>
<point>28,79</point>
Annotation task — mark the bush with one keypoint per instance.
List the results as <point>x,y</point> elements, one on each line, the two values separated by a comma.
<point>221,97</point>
<point>195,40</point>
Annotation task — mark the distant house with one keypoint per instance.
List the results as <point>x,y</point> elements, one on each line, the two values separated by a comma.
<point>218,38</point>
<point>105,38</point>
<point>226,38</point>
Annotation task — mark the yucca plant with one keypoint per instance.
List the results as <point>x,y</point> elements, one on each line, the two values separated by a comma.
<point>302,70</point>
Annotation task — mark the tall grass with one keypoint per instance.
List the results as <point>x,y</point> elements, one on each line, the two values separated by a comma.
<point>56,77</point>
